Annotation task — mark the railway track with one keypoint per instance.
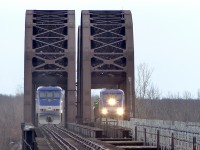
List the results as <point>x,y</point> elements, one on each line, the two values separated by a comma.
<point>56,137</point>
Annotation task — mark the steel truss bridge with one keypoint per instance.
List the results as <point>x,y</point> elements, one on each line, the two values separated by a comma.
<point>104,59</point>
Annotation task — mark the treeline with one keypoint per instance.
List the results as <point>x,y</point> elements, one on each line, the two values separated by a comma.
<point>169,109</point>
<point>11,116</point>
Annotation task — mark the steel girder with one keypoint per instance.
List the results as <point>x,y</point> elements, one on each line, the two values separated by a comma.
<point>105,57</point>
<point>49,58</point>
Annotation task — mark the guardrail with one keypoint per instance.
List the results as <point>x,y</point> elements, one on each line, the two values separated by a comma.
<point>167,137</point>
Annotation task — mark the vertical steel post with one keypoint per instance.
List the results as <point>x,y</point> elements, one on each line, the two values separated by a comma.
<point>172,142</point>
<point>145,136</point>
<point>131,100</point>
<point>135,133</point>
<point>158,139</point>
<point>194,143</point>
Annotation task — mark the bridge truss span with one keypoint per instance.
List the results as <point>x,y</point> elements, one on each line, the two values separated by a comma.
<point>49,57</point>
<point>106,56</point>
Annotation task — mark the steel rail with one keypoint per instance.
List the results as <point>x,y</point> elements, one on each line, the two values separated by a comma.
<point>53,139</point>
<point>45,132</point>
<point>87,143</point>
<point>46,139</point>
<point>64,144</point>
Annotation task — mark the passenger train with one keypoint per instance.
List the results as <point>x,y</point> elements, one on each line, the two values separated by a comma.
<point>111,103</point>
<point>49,104</point>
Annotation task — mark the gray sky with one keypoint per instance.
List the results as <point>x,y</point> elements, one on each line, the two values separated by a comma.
<point>166,37</point>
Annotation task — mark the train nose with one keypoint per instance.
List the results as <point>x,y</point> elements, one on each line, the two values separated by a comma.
<point>49,119</point>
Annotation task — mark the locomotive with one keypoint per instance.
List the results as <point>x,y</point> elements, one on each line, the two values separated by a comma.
<point>111,103</point>
<point>49,104</point>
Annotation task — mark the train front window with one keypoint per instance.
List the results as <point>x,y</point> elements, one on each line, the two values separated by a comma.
<point>50,94</point>
<point>42,94</point>
<point>112,100</point>
<point>56,94</point>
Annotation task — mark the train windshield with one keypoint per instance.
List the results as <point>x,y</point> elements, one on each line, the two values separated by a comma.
<point>42,94</point>
<point>57,94</point>
<point>49,98</point>
<point>112,98</point>
<point>49,94</point>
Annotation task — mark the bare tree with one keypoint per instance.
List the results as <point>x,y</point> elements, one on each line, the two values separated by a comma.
<point>173,96</point>
<point>169,95</point>
<point>143,80</point>
<point>11,116</point>
<point>198,94</point>
<point>187,95</point>
<point>20,89</point>
<point>153,92</point>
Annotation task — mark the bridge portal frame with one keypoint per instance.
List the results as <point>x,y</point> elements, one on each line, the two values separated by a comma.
<point>49,58</point>
<point>118,71</point>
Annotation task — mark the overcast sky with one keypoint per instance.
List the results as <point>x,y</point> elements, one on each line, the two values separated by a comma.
<point>166,37</point>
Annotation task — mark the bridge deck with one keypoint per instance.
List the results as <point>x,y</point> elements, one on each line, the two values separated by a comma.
<point>115,139</point>
<point>130,143</point>
<point>138,147</point>
<point>42,144</point>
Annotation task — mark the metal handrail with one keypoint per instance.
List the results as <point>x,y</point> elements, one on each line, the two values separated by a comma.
<point>193,144</point>
<point>27,144</point>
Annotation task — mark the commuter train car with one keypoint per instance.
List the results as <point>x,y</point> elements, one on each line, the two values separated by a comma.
<point>111,103</point>
<point>49,104</point>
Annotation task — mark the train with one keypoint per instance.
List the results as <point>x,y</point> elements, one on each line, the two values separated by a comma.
<point>111,103</point>
<point>49,104</point>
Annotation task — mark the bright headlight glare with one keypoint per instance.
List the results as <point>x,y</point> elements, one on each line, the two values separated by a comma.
<point>104,111</point>
<point>120,111</point>
<point>112,101</point>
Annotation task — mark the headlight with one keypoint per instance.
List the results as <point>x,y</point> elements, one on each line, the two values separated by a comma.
<point>120,111</point>
<point>104,111</point>
<point>112,101</point>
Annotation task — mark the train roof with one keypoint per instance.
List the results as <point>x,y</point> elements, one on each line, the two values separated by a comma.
<point>111,91</point>
<point>49,88</point>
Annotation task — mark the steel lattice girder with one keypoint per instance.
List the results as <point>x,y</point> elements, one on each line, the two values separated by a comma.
<point>49,57</point>
<point>106,56</point>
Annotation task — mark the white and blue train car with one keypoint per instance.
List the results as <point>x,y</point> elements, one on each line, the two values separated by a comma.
<point>49,104</point>
<point>111,103</point>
